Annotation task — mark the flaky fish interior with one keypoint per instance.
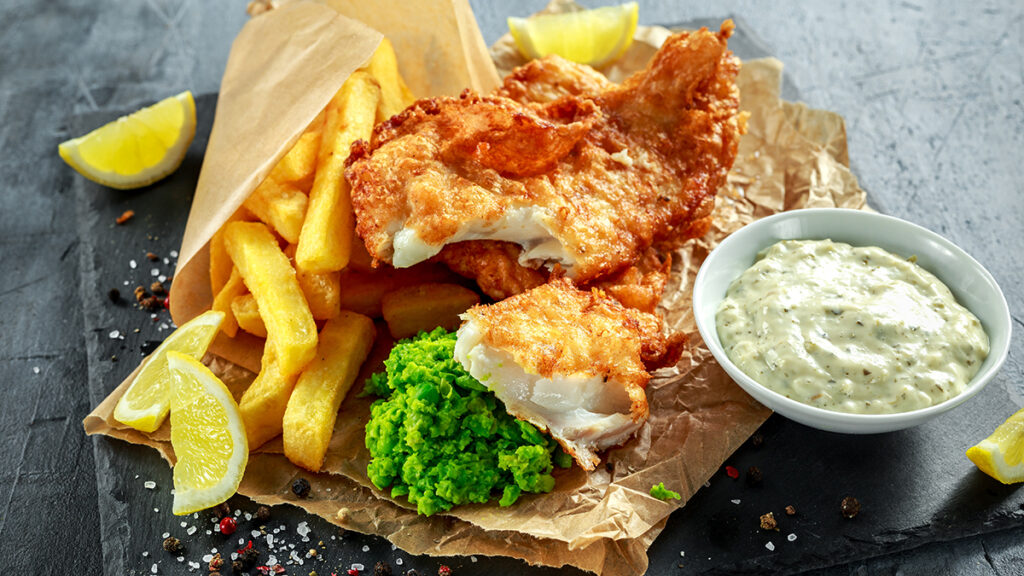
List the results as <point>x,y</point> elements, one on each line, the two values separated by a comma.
<point>571,362</point>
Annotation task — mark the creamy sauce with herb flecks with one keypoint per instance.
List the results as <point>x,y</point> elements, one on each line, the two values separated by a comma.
<point>849,329</point>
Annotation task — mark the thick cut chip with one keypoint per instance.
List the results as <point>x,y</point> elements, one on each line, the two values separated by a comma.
<point>220,260</point>
<point>146,402</point>
<point>271,279</point>
<point>322,289</point>
<point>395,96</point>
<point>298,166</point>
<point>326,237</point>
<point>312,410</point>
<point>264,402</point>
<point>234,288</point>
<point>280,205</point>
<point>363,292</point>
<point>247,314</point>
<point>207,436</point>
<point>412,309</point>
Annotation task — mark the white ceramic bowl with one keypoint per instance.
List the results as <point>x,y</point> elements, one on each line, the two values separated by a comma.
<point>970,283</point>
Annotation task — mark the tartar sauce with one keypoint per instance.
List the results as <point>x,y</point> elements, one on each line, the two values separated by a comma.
<point>849,329</point>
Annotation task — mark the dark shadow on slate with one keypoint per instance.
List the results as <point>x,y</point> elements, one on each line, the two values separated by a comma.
<point>809,469</point>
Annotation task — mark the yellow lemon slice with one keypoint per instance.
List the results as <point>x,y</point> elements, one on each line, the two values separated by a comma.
<point>1001,455</point>
<point>207,435</point>
<point>136,150</point>
<point>146,402</point>
<point>594,37</point>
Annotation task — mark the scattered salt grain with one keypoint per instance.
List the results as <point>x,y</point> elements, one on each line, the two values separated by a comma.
<point>166,261</point>
<point>174,253</point>
<point>366,548</point>
<point>207,557</point>
<point>393,547</point>
<point>791,537</point>
<point>191,530</point>
<point>302,529</point>
<point>682,554</point>
<point>255,533</point>
<point>770,547</point>
<point>241,541</point>
<point>181,558</point>
<point>736,501</point>
<point>145,554</point>
<point>213,520</point>
<point>149,485</point>
<point>162,278</point>
<point>472,559</point>
<point>271,560</point>
<point>358,567</point>
<point>270,539</point>
<point>125,282</point>
<point>295,557</point>
<point>35,369</point>
<point>210,532</point>
<point>154,272</point>
<point>166,535</point>
<point>213,550</point>
<point>153,568</point>
<point>707,484</point>
<point>156,509</point>
<point>399,561</point>
<point>114,334</point>
<point>248,516</point>
<point>133,264</point>
<point>234,556</point>
<point>183,524</point>
<point>193,565</point>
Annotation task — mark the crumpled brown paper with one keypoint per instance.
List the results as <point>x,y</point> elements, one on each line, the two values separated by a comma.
<point>603,522</point>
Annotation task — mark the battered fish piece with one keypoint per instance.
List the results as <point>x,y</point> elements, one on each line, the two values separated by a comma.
<point>583,183</point>
<point>570,361</point>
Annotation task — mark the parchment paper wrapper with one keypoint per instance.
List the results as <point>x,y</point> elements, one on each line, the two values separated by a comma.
<point>603,522</point>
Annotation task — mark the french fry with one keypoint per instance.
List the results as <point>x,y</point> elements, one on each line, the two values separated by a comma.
<point>220,262</point>
<point>222,302</point>
<point>326,236</point>
<point>362,292</point>
<point>322,290</point>
<point>409,309</point>
<point>280,205</point>
<point>271,279</point>
<point>247,315</point>
<point>264,402</point>
<point>312,409</point>
<point>298,166</point>
<point>395,96</point>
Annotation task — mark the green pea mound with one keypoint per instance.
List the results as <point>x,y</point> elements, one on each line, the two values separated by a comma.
<point>438,436</point>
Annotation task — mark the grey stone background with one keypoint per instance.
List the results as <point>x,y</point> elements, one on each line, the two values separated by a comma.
<point>931,92</point>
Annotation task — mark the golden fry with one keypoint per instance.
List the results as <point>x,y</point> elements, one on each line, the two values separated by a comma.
<point>395,96</point>
<point>222,302</point>
<point>299,165</point>
<point>271,279</point>
<point>220,261</point>
<point>410,309</point>
<point>362,292</point>
<point>247,315</point>
<point>326,236</point>
<point>312,409</point>
<point>322,290</point>
<point>280,205</point>
<point>264,402</point>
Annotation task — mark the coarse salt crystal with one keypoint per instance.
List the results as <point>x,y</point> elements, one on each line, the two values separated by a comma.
<point>162,278</point>
<point>167,260</point>
<point>238,513</point>
<point>255,533</point>
<point>114,334</point>
<point>302,529</point>
<point>193,565</point>
<point>393,547</point>
<point>770,547</point>
<point>133,264</point>
<point>270,539</point>
<point>191,530</point>
<point>399,561</point>
<point>707,484</point>
<point>153,568</point>
<point>213,520</point>
<point>181,558</point>
<point>248,516</point>
<point>472,559</point>
<point>35,369</point>
<point>154,272</point>
<point>149,485</point>
<point>145,554</point>
<point>174,253</point>
<point>736,501</point>
<point>207,557</point>
<point>234,556</point>
<point>210,532</point>
<point>682,554</point>
<point>156,509</point>
<point>213,550</point>
<point>366,548</point>
<point>358,567</point>
<point>125,282</point>
<point>166,535</point>
<point>791,537</point>
<point>183,524</point>
<point>241,541</point>
<point>271,560</point>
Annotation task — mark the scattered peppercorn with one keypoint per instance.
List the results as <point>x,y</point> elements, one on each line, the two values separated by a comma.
<point>114,295</point>
<point>125,216</point>
<point>221,510</point>
<point>157,288</point>
<point>732,472</point>
<point>850,507</point>
<point>768,522</point>
<point>382,569</point>
<point>150,303</point>
<point>216,563</point>
<point>757,440</point>
<point>246,558</point>
<point>263,513</point>
<point>444,571</point>
<point>140,293</point>
<point>754,476</point>
<point>300,487</point>
<point>228,525</point>
<point>790,511</point>
<point>173,545</point>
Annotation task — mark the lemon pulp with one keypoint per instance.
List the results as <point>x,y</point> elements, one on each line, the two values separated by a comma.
<point>594,37</point>
<point>1001,455</point>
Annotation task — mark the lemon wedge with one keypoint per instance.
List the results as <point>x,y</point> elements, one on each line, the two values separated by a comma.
<point>594,37</point>
<point>136,150</point>
<point>1001,455</point>
<point>207,435</point>
<point>146,402</point>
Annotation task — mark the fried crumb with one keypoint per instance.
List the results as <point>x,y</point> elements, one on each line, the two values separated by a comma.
<point>768,522</point>
<point>140,293</point>
<point>157,288</point>
<point>125,216</point>
<point>790,511</point>
<point>151,303</point>
<point>152,257</point>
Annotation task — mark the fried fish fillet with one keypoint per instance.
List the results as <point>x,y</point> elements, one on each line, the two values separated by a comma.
<point>584,183</point>
<point>572,362</point>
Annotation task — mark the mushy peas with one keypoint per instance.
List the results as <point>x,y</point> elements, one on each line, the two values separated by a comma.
<point>849,329</point>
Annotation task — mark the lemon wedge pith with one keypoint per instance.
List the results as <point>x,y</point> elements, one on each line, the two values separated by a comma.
<point>138,149</point>
<point>145,404</point>
<point>1001,455</point>
<point>207,435</point>
<point>594,37</point>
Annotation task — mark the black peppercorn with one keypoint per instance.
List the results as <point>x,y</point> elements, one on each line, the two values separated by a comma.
<point>754,476</point>
<point>263,513</point>
<point>173,545</point>
<point>382,569</point>
<point>757,440</point>
<point>300,487</point>
<point>850,507</point>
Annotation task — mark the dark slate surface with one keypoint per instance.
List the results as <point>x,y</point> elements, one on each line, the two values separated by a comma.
<point>931,95</point>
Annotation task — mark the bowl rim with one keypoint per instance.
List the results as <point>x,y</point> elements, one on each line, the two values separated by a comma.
<point>978,381</point>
